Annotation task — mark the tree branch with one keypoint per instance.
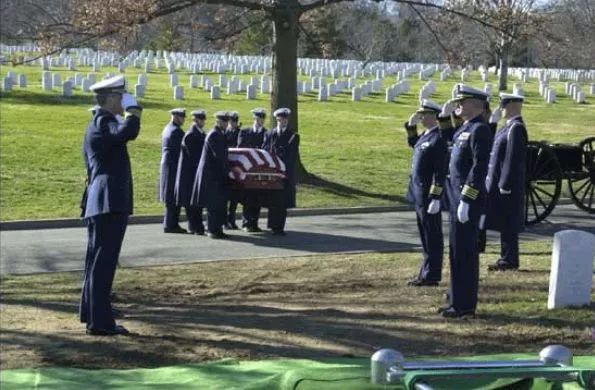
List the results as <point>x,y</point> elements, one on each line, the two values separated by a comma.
<point>442,46</point>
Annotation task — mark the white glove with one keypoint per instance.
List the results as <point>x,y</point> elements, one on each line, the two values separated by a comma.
<point>482,221</point>
<point>496,115</point>
<point>414,119</point>
<point>120,119</point>
<point>434,206</point>
<point>129,101</point>
<point>505,192</point>
<point>463,212</point>
<point>447,109</point>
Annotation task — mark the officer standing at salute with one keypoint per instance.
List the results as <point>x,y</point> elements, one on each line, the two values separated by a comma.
<point>505,182</point>
<point>108,201</point>
<point>428,172</point>
<point>284,143</point>
<point>171,142</point>
<point>468,168</point>
<point>191,150</point>
<point>231,136</point>
<point>212,182</point>
<point>252,137</point>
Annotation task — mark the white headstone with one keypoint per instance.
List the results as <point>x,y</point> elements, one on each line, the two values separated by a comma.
<point>139,90</point>
<point>56,80</point>
<point>580,97</point>
<point>86,84</point>
<point>67,89</point>
<point>251,92</point>
<point>356,94</point>
<point>215,92</point>
<point>173,80</point>
<point>551,96</point>
<point>142,79</point>
<point>7,84</point>
<point>322,93</point>
<point>571,275</point>
<point>178,92</point>
<point>193,81</point>
<point>22,81</point>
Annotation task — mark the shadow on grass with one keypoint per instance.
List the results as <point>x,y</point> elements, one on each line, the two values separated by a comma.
<point>346,191</point>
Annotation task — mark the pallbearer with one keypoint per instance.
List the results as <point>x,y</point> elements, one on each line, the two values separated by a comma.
<point>212,183</point>
<point>505,182</point>
<point>468,168</point>
<point>253,137</point>
<point>191,150</point>
<point>283,142</point>
<point>231,136</point>
<point>428,173</point>
<point>171,143</point>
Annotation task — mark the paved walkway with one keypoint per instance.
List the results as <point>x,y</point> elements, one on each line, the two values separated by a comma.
<point>48,250</point>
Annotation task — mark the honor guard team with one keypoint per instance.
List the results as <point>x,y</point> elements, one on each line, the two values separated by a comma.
<point>463,164</point>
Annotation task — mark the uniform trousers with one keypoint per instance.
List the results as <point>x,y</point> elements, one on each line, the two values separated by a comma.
<point>432,241</point>
<point>464,264</point>
<point>251,209</point>
<point>172,216</point>
<point>216,214</point>
<point>194,215</point>
<point>509,248</point>
<point>105,236</point>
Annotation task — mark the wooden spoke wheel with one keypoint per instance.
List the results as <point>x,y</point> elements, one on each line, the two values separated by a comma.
<point>582,184</point>
<point>544,182</point>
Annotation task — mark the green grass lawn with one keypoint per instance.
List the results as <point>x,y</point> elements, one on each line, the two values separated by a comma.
<point>358,149</point>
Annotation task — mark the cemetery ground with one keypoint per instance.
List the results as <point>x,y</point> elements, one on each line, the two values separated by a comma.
<point>356,150</point>
<point>300,307</point>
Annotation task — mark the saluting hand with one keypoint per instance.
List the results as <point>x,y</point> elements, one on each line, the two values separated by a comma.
<point>496,115</point>
<point>414,120</point>
<point>447,108</point>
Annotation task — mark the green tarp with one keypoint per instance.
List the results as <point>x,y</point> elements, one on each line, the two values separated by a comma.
<point>286,374</point>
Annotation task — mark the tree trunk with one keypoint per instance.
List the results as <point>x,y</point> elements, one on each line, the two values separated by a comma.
<point>503,82</point>
<point>284,72</point>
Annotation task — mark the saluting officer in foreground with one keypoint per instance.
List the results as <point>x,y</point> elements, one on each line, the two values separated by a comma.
<point>212,183</point>
<point>505,182</point>
<point>283,142</point>
<point>252,137</point>
<point>428,173</point>
<point>109,199</point>
<point>171,143</point>
<point>191,151</point>
<point>468,168</point>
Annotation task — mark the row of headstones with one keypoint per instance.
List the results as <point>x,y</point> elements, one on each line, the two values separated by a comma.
<point>395,90</point>
<point>544,75</point>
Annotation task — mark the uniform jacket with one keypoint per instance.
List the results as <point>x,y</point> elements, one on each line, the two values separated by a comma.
<point>285,145</point>
<point>171,142</point>
<point>212,181</point>
<point>428,170</point>
<point>251,138</point>
<point>190,153</point>
<point>109,188</point>
<point>507,170</point>
<point>231,137</point>
<point>468,166</point>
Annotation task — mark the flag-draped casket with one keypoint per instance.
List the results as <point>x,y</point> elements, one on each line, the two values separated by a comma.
<point>255,169</point>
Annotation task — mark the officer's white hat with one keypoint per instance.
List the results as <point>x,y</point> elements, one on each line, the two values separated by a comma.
<point>511,97</point>
<point>259,112</point>
<point>466,92</point>
<point>428,105</point>
<point>178,111</point>
<point>222,115</point>
<point>114,84</point>
<point>233,115</point>
<point>202,114</point>
<point>283,112</point>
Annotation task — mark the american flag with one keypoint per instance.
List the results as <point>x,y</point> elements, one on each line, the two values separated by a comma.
<point>255,168</point>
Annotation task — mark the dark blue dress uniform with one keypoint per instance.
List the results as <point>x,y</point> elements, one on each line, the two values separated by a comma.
<point>191,151</point>
<point>253,199</point>
<point>468,168</point>
<point>285,145</point>
<point>171,143</point>
<point>212,182</point>
<point>507,166</point>
<point>428,172</point>
<point>108,203</point>
<point>231,137</point>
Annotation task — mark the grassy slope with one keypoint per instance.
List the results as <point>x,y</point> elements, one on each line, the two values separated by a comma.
<point>360,146</point>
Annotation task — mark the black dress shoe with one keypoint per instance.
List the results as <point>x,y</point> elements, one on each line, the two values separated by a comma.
<point>176,229</point>
<point>197,232</point>
<point>231,226</point>
<point>118,329</point>
<point>452,313</point>
<point>252,229</point>
<point>443,309</point>
<point>422,282</point>
<point>501,266</point>
<point>279,233</point>
<point>218,235</point>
